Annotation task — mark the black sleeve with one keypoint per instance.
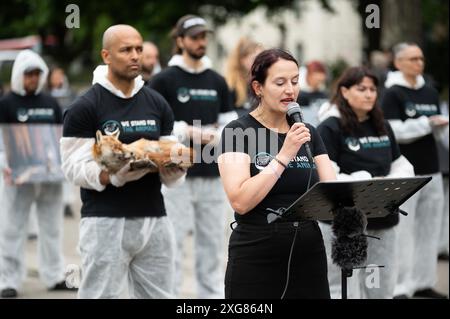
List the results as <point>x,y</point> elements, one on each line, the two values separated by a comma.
<point>394,146</point>
<point>438,104</point>
<point>167,118</point>
<point>157,83</point>
<point>391,105</point>
<point>330,138</point>
<point>226,103</point>
<point>303,99</point>
<point>58,112</point>
<point>3,111</point>
<point>318,148</point>
<point>233,139</point>
<point>80,119</point>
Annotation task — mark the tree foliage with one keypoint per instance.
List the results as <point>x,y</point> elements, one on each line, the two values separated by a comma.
<point>153,19</point>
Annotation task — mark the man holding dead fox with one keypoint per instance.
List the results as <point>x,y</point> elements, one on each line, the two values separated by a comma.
<point>126,238</point>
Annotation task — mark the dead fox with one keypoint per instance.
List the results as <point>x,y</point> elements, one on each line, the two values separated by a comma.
<point>112,155</point>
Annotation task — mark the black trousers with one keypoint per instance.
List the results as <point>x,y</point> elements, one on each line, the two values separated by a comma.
<point>258,262</point>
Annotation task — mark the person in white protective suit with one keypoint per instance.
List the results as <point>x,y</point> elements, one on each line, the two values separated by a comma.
<point>27,104</point>
<point>413,110</point>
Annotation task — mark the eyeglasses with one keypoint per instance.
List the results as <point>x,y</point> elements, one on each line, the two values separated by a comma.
<point>416,59</point>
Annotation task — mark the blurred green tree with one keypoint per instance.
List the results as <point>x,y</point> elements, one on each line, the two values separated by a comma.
<point>153,19</point>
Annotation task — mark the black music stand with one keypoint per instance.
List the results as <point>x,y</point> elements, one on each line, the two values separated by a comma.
<point>376,198</point>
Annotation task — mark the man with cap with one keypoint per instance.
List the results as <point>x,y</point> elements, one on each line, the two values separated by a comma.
<point>200,100</point>
<point>27,104</point>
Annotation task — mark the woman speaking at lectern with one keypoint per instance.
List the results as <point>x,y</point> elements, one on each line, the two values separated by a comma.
<point>264,168</point>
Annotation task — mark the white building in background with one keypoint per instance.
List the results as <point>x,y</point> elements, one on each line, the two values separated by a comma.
<point>312,33</point>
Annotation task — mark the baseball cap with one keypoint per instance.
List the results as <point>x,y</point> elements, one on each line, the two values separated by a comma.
<point>191,25</point>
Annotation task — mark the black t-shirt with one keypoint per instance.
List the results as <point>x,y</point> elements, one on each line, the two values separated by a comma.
<point>247,135</point>
<point>145,115</point>
<point>195,97</point>
<point>30,109</point>
<point>401,103</point>
<point>308,99</point>
<point>364,150</point>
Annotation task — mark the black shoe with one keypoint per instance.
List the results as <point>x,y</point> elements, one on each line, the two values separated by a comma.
<point>61,286</point>
<point>68,212</point>
<point>401,297</point>
<point>429,293</point>
<point>9,293</point>
<point>443,257</point>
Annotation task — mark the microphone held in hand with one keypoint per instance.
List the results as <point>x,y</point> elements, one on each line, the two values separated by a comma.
<point>295,114</point>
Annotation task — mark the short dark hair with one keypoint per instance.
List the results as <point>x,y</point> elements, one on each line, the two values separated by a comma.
<point>349,121</point>
<point>263,61</point>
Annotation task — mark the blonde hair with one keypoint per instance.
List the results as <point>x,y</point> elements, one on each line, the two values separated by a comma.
<point>236,76</point>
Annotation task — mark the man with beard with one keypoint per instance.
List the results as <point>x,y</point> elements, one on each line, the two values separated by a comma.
<point>197,94</point>
<point>150,60</point>
<point>125,236</point>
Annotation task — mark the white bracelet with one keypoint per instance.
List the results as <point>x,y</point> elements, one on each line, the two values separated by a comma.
<point>274,171</point>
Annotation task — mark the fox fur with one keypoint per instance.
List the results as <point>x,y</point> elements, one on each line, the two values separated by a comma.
<point>111,154</point>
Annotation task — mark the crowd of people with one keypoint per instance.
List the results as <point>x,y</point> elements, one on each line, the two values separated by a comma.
<point>251,158</point>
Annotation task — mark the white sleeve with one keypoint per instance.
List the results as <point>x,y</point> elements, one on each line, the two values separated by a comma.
<point>401,167</point>
<point>180,131</point>
<point>441,135</point>
<point>3,163</point>
<point>355,176</point>
<point>410,130</point>
<point>224,119</point>
<point>78,165</point>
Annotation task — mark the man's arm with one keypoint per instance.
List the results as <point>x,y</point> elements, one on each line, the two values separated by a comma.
<point>78,164</point>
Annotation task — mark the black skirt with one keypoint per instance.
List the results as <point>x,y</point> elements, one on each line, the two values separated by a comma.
<point>258,258</point>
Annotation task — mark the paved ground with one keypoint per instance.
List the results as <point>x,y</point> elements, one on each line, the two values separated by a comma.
<point>33,288</point>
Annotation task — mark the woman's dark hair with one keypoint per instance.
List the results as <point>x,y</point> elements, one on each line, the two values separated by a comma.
<point>349,121</point>
<point>262,63</point>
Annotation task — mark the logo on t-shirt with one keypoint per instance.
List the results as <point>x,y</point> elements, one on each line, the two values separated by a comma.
<point>111,127</point>
<point>368,142</point>
<point>35,114</point>
<point>22,115</point>
<point>140,126</point>
<point>262,160</point>
<point>412,109</point>
<point>352,144</point>
<point>184,95</point>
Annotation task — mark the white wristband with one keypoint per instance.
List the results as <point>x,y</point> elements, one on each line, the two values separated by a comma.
<point>274,171</point>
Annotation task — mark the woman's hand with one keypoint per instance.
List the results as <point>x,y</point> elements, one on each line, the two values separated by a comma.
<point>297,136</point>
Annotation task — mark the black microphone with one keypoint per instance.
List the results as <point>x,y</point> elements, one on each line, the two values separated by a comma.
<point>295,114</point>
